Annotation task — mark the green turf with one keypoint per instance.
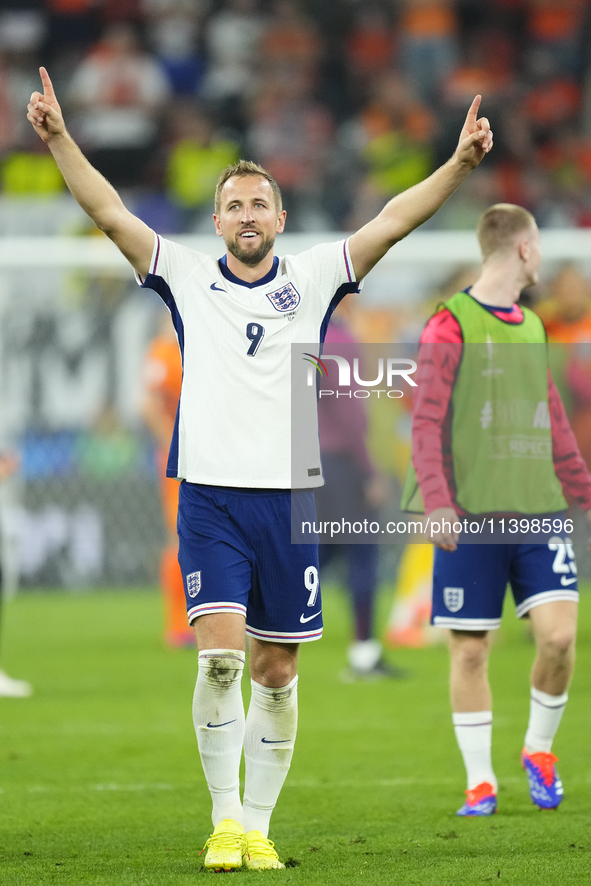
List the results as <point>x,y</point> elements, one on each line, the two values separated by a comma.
<point>101,782</point>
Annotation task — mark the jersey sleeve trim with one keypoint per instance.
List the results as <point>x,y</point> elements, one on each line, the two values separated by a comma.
<point>153,261</point>
<point>343,290</point>
<point>159,285</point>
<point>348,262</point>
<point>155,255</point>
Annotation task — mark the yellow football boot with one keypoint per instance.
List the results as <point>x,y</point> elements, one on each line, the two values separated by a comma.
<point>260,853</point>
<point>226,847</point>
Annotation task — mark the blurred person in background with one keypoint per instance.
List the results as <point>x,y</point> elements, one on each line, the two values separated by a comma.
<point>429,43</point>
<point>354,489</point>
<point>566,314</point>
<point>10,688</point>
<point>232,42</point>
<point>290,129</point>
<point>232,447</point>
<point>197,152</point>
<point>118,92</point>
<point>290,133</point>
<point>163,375</point>
<point>22,33</point>
<point>291,40</point>
<point>385,148</point>
<point>557,28</point>
<point>369,48</point>
<point>24,172</point>
<point>174,29</point>
<point>73,26</point>
<point>460,428</point>
<point>8,117</point>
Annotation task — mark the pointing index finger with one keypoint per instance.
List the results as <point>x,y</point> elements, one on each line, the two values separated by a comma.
<point>473,112</point>
<point>47,84</point>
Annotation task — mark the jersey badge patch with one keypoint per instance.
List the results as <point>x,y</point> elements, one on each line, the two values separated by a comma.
<point>453,598</point>
<point>194,583</point>
<point>285,299</point>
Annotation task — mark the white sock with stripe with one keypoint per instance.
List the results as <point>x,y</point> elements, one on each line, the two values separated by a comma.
<point>269,740</point>
<point>474,736</point>
<point>545,714</point>
<point>218,715</point>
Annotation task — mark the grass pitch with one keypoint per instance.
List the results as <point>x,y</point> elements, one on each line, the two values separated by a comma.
<point>101,783</point>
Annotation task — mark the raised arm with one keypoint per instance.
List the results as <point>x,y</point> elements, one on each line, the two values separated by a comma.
<point>93,192</point>
<point>410,209</point>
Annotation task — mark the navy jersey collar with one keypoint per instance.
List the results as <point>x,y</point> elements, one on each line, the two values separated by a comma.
<point>227,273</point>
<point>494,309</point>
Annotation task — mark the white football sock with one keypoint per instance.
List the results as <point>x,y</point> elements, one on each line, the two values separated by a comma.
<point>364,655</point>
<point>545,714</point>
<point>474,736</point>
<point>218,715</point>
<point>269,740</point>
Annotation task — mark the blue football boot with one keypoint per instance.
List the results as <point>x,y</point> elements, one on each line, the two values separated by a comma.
<point>545,786</point>
<point>481,800</point>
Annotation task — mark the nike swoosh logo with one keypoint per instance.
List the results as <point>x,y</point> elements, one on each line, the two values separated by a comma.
<point>275,740</point>
<point>217,725</point>
<point>567,581</point>
<point>217,288</point>
<point>305,618</point>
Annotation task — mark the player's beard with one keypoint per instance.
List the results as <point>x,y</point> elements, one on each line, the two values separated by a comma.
<point>250,257</point>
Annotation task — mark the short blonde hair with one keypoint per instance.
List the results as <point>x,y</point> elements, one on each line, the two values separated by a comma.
<point>497,227</point>
<point>240,169</point>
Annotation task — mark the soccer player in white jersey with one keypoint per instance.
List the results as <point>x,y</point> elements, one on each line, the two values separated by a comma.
<point>235,320</point>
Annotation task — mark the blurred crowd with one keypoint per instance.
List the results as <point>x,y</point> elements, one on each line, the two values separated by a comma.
<point>347,102</point>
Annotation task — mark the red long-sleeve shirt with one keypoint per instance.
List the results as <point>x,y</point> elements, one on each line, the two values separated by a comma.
<point>431,419</point>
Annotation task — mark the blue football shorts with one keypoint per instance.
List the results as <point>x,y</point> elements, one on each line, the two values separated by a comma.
<point>236,555</point>
<point>469,583</point>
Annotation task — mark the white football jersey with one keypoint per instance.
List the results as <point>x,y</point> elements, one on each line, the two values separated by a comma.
<point>233,424</point>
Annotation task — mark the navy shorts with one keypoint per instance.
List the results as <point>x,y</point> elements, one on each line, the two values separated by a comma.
<point>236,556</point>
<point>469,583</point>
